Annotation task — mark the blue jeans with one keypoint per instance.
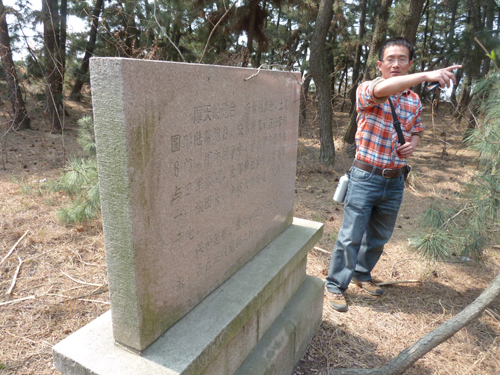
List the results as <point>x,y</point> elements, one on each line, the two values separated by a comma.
<point>370,211</point>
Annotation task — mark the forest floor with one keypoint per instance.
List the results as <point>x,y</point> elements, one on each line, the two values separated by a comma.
<point>61,284</point>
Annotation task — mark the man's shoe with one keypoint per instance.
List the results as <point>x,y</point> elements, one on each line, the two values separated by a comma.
<point>369,287</point>
<point>337,301</point>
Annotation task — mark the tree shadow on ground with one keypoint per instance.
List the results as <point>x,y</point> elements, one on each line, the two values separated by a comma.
<point>335,347</point>
<point>431,298</point>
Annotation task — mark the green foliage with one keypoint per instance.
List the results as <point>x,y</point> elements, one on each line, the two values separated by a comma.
<point>432,246</point>
<point>33,67</point>
<point>86,135</point>
<point>465,230</point>
<point>434,216</point>
<point>80,180</point>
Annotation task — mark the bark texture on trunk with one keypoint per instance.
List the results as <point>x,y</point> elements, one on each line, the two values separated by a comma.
<point>89,48</point>
<point>377,40</point>
<point>304,93</point>
<point>351,129</point>
<point>251,30</point>
<point>20,119</point>
<point>52,73</point>
<point>413,19</point>
<point>322,81</point>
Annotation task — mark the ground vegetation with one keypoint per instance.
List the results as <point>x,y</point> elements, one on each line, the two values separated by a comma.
<point>52,271</point>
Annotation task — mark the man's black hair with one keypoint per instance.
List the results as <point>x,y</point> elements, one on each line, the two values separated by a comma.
<point>399,41</point>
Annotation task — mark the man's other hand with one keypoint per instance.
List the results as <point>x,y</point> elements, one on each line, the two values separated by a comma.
<point>405,150</point>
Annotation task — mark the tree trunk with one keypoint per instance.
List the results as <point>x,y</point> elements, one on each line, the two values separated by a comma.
<point>412,20</point>
<point>418,88</point>
<point>322,81</point>
<point>20,119</point>
<point>474,57</point>
<point>450,33</point>
<point>357,59</point>
<point>131,31</point>
<point>60,50</point>
<point>488,25</point>
<point>89,48</point>
<point>409,356</point>
<point>464,100</point>
<point>377,39</point>
<point>51,69</point>
<point>351,129</point>
<point>376,44</point>
<point>63,34</point>
<point>251,30</point>
<point>304,93</point>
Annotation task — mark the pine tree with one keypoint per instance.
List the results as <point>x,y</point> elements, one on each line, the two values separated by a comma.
<point>80,180</point>
<point>466,229</point>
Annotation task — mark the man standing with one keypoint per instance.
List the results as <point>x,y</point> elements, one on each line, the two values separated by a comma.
<point>376,180</point>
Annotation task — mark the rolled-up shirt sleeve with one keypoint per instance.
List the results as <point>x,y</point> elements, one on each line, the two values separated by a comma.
<point>365,97</point>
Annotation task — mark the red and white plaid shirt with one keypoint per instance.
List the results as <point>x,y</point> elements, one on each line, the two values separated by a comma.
<point>376,138</point>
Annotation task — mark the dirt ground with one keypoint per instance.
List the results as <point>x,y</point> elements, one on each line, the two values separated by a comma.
<point>61,284</point>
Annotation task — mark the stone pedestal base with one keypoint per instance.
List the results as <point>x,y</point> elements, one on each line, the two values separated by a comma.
<point>259,321</point>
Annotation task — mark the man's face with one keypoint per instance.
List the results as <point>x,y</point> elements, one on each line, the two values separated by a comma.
<point>396,62</point>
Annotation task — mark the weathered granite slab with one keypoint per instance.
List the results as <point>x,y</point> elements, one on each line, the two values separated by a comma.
<point>197,175</point>
<point>217,336</point>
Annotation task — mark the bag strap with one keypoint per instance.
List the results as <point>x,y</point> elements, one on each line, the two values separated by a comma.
<point>397,124</point>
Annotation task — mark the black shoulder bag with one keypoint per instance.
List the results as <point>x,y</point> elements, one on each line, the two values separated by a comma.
<point>401,138</point>
<point>397,124</point>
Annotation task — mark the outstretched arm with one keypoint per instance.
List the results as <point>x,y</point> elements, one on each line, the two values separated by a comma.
<point>394,85</point>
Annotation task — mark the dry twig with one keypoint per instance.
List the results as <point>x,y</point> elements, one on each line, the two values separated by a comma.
<point>80,282</point>
<point>13,247</point>
<point>398,282</point>
<point>323,251</point>
<point>255,74</point>
<point>14,279</point>
<point>16,300</point>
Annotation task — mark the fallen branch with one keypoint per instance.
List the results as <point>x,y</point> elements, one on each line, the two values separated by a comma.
<point>78,281</point>
<point>95,301</point>
<point>81,260</point>
<point>412,354</point>
<point>13,247</point>
<point>255,74</point>
<point>16,300</point>
<point>14,279</point>
<point>81,297</point>
<point>398,282</point>
<point>320,249</point>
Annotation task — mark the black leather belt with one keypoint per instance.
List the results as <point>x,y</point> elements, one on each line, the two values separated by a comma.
<point>386,173</point>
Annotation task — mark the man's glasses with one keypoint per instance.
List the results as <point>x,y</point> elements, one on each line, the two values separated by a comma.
<point>401,62</point>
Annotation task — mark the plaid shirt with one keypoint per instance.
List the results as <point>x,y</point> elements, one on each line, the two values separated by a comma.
<point>376,138</point>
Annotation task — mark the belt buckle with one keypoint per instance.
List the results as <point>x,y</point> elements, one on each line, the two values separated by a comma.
<point>383,173</point>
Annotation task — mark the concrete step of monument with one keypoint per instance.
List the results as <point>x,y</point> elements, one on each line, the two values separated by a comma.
<point>219,333</point>
<point>286,341</point>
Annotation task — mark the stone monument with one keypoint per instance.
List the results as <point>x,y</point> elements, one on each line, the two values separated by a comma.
<point>206,264</point>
